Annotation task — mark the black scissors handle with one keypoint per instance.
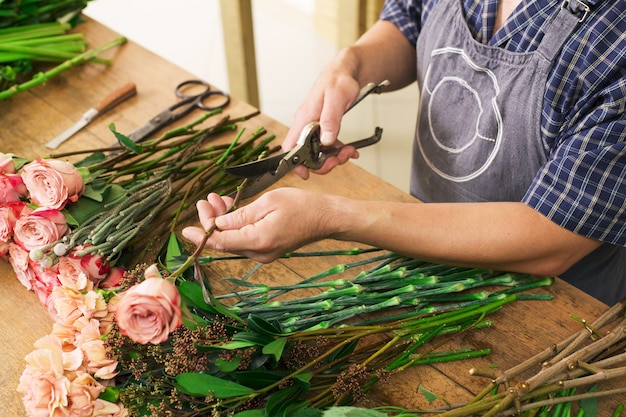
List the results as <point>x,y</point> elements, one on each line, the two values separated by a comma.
<point>202,96</point>
<point>186,104</point>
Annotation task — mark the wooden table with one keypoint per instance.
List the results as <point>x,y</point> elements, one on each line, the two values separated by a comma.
<point>32,118</point>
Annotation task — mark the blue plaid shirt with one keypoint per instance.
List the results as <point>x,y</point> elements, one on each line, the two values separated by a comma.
<point>583,126</point>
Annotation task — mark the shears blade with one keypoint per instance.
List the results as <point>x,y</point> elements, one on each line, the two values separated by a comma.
<point>256,168</point>
<point>264,172</point>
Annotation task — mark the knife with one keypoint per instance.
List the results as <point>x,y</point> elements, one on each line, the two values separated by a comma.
<point>107,103</point>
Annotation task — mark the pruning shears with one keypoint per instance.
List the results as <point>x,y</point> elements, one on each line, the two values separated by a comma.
<point>308,152</point>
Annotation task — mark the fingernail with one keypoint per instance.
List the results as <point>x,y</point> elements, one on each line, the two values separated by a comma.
<point>327,138</point>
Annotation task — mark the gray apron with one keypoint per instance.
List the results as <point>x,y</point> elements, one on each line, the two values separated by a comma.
<point>478,131</point>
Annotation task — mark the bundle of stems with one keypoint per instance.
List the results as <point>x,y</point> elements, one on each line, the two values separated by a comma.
<point>35,32</point>
<point>137,195</point>
<point>322,355</point>
<point>40,42</point>
<point>29,12</point>
<point>395,281</point>
<point>581,361</point>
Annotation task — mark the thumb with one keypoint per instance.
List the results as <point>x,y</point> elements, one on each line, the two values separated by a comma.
<point>233,220</point>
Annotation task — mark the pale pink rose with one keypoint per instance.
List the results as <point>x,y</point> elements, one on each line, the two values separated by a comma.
<point>72,275</point>
<point>94,266</point>
<point>46,280</point>
<point>40,228</point>
<point>18,258</point>
<point>12,188</point>
<point>104,408</point>
<point>113,279</point>
<point>6,163</point>
<point>52,183</point>
<point>149,311</point>
<point>9,213</point>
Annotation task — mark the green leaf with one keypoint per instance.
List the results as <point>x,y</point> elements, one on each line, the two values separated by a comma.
<point>275,348</point>
<point>590,405</point>
<point>257,339</point>
<point>192,295</point>
<point>125,141</point>
<point>227,366</point>
<point>258,379</point>
<point>110,394</point>
<point>260,325</point>
<point>226,346</point>
<point>352,412</point>
<point>173,251</point>
<point>92,193</point>
<point>308,412</point>
<point>430,396</point>
<point>93,159</point>
<point>201,385</point>
<point>87,207</point>
<point>251,413</point>
<point>344,351</point>
<point>281,400</point>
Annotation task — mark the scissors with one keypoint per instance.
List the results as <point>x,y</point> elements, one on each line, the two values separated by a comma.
<point>186,105</point>
<point>308,152</point>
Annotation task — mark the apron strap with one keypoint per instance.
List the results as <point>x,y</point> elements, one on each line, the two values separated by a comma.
<point>561,26</point>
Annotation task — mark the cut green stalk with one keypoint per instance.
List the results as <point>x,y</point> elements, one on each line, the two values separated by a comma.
<point>41,78</point>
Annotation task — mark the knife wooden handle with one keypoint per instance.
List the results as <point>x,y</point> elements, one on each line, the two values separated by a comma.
<point>116,97</point>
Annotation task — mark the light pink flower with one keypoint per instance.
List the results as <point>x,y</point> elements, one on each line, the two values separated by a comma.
<point>104,408</point>
<point>89,339</point>
<point>94,266</point>
<point>84,390</point>
<point>149,311</point>
<point>18,258</point>
<point>6,164</point>
<point>40,228</point>
<point>9,213</point>
<point>52,183</point>
<point>12,188</point>
<point>68,305</point>
<point>72,275</point>
<point>46,280</point>
<point>113,279</point>
<point>44,384</point>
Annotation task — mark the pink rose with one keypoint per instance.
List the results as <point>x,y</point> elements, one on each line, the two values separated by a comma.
<point>9,213</point>
<point>46,280</point>
<point>18,258</point>
<point>72,275</point>
<point>52,183</point>
<point>94,266</point>
<point>149,311</point>
<point>12,188</point>
<point>6,163</point>
<point>113,279</point>
<point>40,228</point>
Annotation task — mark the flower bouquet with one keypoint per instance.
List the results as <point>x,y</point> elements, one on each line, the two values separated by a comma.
<point>138,329</point>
